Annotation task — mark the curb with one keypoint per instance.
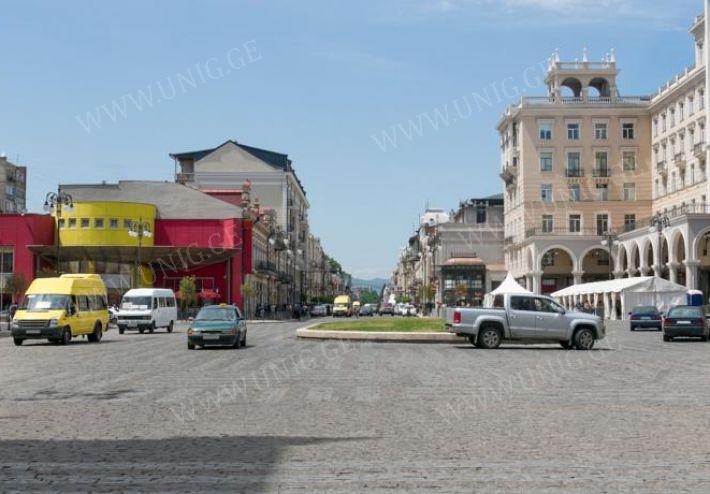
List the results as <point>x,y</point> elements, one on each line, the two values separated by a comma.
<point>384,336</point>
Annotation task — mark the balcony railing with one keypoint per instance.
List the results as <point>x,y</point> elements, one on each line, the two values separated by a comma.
<point>676,212</point>
<point>574,172</point>
<point>266,266</point>
<point>542,231</point>
<point>592,101</point>
<point>601,172</point>
<point>699,149</point>
<point>185,177</point>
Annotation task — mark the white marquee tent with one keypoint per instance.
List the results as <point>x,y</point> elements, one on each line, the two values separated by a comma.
<point>509,285</point>
<point>626,292</point>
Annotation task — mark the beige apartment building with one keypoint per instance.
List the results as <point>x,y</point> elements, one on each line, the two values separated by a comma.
<point>585,167</point>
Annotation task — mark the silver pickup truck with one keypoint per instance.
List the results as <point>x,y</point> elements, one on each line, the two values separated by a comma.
<point>525,319</point>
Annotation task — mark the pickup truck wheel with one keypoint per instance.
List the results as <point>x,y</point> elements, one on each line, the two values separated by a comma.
<point>566,345</point>
<point>584,339</point>
<point>489,337</point>
<point>473,341</point>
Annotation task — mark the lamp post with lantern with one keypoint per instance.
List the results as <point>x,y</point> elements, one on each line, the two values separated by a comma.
<point>57,202</point>
<point>139,229</point>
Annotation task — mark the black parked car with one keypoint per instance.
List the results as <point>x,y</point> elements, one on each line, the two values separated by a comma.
<point>646,317</point>
<point>685,320</point>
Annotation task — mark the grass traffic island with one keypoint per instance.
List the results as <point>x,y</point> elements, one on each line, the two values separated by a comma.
<point>397,329</point>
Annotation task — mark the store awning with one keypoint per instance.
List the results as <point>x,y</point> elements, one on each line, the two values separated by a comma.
<point>169,258</point>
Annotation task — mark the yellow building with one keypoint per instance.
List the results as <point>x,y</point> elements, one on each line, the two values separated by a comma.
<point>96,237</point>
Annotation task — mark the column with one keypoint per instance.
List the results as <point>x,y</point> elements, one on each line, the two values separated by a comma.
<point>536,281</point>
<point>691,273</point>
<point>657,270</point>
<point>577,275</point>
<point>606,305</point>
<point>596,302</point>
<point>528,282</point>
<point>632,272</point>
<point>673,271</point>
<point>612,315</point>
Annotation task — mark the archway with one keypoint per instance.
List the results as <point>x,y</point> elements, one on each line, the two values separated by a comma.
<point>623,263</point>
<point>635,259</point>
<point>647,257</point>
<point>679,257</point>
<point>601,86</point>
<point>665,272</point>
<point>573,88</point>
<point>596,265</point>
<point>702,251</point>
<point>557,265</point>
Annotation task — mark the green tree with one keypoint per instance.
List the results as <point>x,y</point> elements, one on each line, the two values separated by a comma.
<point>335,266</point>
<point>248,289</point>
<point>15,285</point>
<point>188,292</point>
<point>369,297</point>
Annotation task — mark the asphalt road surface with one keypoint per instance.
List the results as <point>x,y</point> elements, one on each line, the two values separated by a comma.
<point>142,413</point>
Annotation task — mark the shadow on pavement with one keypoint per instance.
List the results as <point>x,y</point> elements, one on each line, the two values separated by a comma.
<point>241,463</point>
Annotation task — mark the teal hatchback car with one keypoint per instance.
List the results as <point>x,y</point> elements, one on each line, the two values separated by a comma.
<point>217,325</point>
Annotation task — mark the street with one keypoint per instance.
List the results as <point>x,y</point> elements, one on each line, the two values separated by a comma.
<point>142,413</point>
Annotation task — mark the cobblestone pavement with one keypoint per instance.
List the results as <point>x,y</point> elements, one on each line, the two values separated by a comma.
<point>142,413</point>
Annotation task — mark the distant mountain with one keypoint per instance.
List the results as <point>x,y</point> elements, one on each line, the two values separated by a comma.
<point>375,283</point>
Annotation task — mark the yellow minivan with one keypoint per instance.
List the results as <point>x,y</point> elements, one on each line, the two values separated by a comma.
<point>58,309</point>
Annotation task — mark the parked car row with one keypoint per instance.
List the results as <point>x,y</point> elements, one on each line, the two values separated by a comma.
<point>681,321</point>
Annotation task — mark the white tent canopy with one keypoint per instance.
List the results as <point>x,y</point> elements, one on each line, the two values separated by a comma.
<point>509,285</point>
<point>628,292</point>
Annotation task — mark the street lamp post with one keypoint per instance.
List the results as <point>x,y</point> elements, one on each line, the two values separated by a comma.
<point>56,202</point>
<point>610,241</point>
<point>139,229</point>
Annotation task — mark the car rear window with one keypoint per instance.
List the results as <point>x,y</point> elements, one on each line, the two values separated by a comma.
<point>676,312</point>
<point>644,310</point>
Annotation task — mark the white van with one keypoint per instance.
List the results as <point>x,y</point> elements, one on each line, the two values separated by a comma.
<point>147,308</point>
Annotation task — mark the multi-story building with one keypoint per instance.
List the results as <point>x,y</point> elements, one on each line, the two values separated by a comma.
<point>13,187</point>
<point>590,167</point>
<point>575,164</point>
<point>222,170</point>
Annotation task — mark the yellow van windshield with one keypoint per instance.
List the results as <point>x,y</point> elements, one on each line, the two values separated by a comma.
<point>45,301</point>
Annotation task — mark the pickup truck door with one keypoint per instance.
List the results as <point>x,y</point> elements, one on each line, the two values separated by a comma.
<point>521,316</point>
<point>550,322</point>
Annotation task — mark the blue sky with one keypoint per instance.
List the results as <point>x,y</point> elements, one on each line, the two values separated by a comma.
<point>331,83</point>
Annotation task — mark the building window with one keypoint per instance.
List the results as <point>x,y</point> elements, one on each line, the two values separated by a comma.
<point>692,174</point>
<point>480,214</point>
<point>629,192</point>
<point>575,194</point>
<point>127,223</point>
<point>628,159</point>
<point>601,168</point>
<point>602,223</point>
<point>545,131</point>
<point>72,222</point>
<point>672,118</point>
<point>629,222</point>
<point>690,106</point>
<point>547,223</point>
<point>680,112</point>
<point>85,222</point>
<point>60,223</point>
<point>546,161</point>
<point>575,223</point>
<point>655,127</point>
<point>574,167</point>
<point>602,192</point>
<point>98,222</point>
<point>600,131</point>
<point>113,223</point>
<point>7,259</point>
<point>546,192</point>
<point>573,131</point>
<point>701,99</point>
<point>627,131</point>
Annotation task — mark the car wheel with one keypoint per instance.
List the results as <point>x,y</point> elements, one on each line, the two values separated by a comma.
<point>566,345</point>
<point>190,346</point>
<point>667,338</point>
<point>170,327</point>
<point>584,339</point>
<point>121,330</point>
<point>95,337</point>
<point>489,337</point>
<point>66,336</point>
<point>632,328</point>
<point>704,337</point>
<point>141,330</point>
<point>151,328</point>
<point>18,341</point>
